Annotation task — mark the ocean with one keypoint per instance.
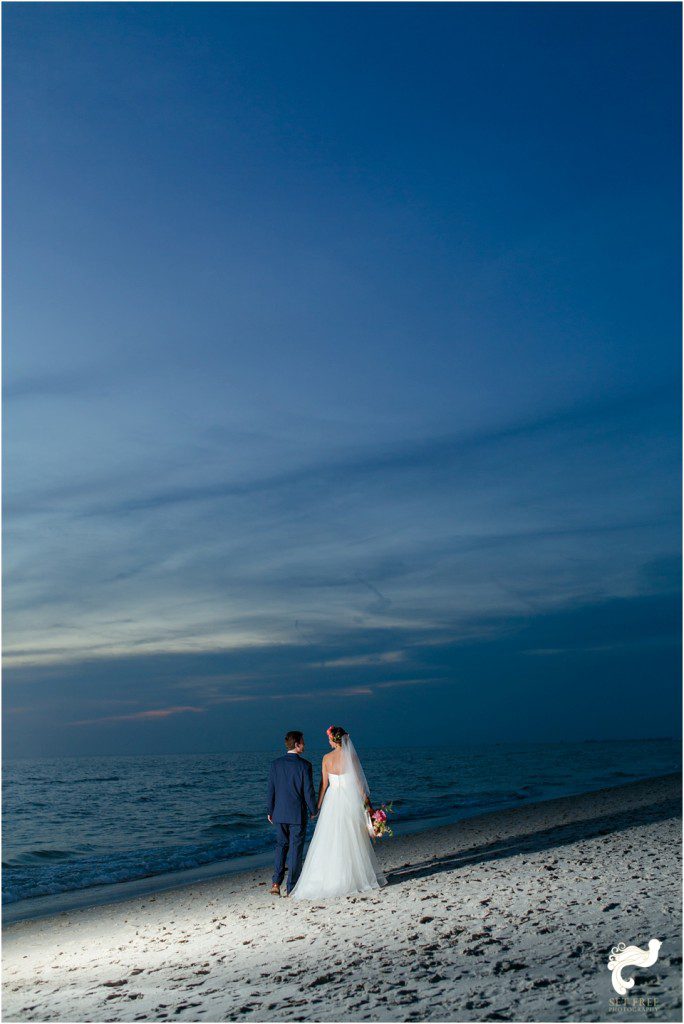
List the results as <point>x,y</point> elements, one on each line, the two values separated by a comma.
<point>75,825</point>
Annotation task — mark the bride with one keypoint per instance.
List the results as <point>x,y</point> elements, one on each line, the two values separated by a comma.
<point>341,860</point>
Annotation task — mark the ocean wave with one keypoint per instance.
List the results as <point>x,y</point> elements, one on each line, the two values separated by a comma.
<point>20,882</point>
<point>32,856</point>
<point>89,779</point>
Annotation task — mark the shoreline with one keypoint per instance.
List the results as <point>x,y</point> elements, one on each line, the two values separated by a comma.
<point>51,904</point>
<point>507,915</point>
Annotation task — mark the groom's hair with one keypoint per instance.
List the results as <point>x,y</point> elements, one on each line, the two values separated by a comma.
<point>293,738</point>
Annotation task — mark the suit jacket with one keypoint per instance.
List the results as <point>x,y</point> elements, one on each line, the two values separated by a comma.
<point>290,790</point>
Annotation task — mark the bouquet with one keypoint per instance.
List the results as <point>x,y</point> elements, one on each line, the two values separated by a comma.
<point>376,821</point>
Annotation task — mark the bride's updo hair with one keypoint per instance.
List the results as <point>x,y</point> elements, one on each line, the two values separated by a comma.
<point>336,732</point>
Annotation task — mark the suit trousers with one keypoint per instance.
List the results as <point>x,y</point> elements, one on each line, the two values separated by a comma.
<point>289,847</point>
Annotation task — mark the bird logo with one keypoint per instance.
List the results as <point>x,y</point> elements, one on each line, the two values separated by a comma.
<point>622,956</point>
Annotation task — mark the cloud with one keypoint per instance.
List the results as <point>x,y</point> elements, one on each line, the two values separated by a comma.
<point>406,456</point>
<point>350,576</point>
<point>392,684</point>
<point>240,696</point>
<point>324,694</point>
<point>501,538</point>
<point>67,384</point>
<point>353,661</point>
<point>152,714</point>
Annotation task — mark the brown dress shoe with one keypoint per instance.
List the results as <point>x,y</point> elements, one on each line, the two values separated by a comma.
<point>275,889</point>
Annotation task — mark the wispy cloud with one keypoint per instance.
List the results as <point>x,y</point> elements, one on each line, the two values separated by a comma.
<point>529,515</point>
<point>392,684</point>
<point>152,714</point>
<point>633,410</point>
<point>354,661</point>
<point>322,694</point>
<point>67,384</point>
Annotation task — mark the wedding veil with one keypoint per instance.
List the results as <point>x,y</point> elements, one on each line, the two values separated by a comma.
<point>352,765</point>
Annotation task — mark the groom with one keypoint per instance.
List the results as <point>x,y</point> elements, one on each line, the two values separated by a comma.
<point>290,794</point>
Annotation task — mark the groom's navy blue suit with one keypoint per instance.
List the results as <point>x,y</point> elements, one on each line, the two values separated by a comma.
<point>290,795</point>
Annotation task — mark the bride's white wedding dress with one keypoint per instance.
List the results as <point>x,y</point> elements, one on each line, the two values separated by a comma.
<point>341,860</point>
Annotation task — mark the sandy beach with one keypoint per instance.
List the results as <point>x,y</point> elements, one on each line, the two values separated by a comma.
<point>509,915</point>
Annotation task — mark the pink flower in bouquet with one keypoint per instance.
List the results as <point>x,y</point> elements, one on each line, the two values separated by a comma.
<point>379,821</point>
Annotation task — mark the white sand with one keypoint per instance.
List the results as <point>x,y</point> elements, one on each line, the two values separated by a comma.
<point>507,916</point>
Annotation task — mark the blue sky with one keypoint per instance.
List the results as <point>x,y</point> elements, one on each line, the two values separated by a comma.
<point>341,373</point>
